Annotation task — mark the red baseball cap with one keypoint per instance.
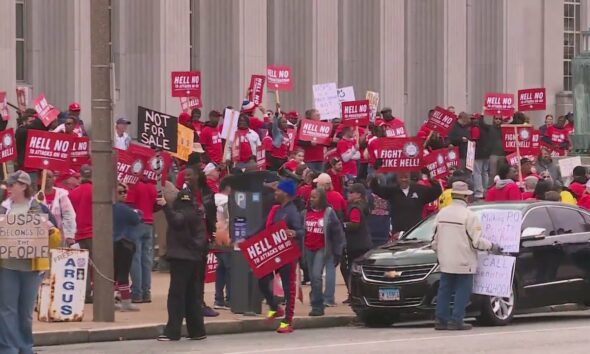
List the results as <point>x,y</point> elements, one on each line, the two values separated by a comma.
<point>74,107</point>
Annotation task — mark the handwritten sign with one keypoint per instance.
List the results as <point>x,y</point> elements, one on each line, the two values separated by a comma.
<point>4,106</point>
<point>8,150</point>
<point>494,275</point>
<point>47,113</point>
<point>470,157</point>
<point>129,167</point>
<point>498,104</point>
<point>157,130</point>
<point>185,141</point>
<point>24,236</point>
<point>532,100</point>
<point>230,124</point>
<point>502,227</point>
<point>346,94</point>
<point>278,78</point>
<point>256,89</point>
<point>315,131</point>
<point>441,121</point>
<point>186,83</point>
<point>270,250</point>
<point>400,154</point>
<point>356,113</point>
<point>325,99</point>
<point>373,98</point>
<point>567,165</point>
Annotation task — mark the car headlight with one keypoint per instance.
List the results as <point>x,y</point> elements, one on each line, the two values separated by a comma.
<point>356,268</point>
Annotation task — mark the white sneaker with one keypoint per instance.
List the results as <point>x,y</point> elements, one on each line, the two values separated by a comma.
<point>126,306</point>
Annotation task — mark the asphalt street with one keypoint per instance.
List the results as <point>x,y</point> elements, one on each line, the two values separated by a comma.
<point>545,333</point>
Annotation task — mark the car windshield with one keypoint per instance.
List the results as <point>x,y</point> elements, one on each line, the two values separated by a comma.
<point>424,230</point>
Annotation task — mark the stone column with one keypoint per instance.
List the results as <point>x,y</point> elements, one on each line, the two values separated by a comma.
<point>7,52</point>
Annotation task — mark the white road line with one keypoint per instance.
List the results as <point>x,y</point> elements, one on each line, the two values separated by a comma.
<point>283,349</point>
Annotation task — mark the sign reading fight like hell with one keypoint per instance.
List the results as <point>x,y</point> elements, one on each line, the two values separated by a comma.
<point>8,152</point>
<point>532,99</point>
<point>256,89</point>
<point>270,250</point>
<point>47,150</point>
<point>315,131</point>
<point>356,113</point>
<point>452,158</point>
<point>129,167</point>
<point>150,160</point>
<point>157,130</point>
<point>435,162</point>
<point>24,236</point>
<point>278,78</point>
<point>529,139</point>
<point>400,154</point>
<point>498,104</point>
<point>442,121</point>
<point>502,227</point>
<point>494,275</point>
<point>186,84</point>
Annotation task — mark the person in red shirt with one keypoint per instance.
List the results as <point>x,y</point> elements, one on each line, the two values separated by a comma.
<point>578,185</point>
<point>245,144</point>
<point>212,174</point>
<point>297,159</point>
<point>336,174</point>
<point>584,200</point>
<point>68,180</point>
<point>432,207</point>
<point>81,199</point>
<point>210,138</point>
<point>142,196</point>
<point>196,124</point>
<point>335,199</point>
<point>527,168</point>
<point>324,239</point>
<point>394,127</point>
<point>280,143</point>
<point>304,189</point>
<point>314,153</point>
<point>505,188</point>
<point>348,149</point>
<point>558,134</point>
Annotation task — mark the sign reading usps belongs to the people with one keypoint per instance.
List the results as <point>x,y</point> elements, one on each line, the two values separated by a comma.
<point>494,275</point>
<point>502,227</point>
<point>24,236</point>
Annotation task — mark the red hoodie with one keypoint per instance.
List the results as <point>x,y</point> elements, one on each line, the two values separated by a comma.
<point>577,189</point>
<point>81,198</point>
<point>584,201</point>
<point>506,192</point>
<point>142,196</point>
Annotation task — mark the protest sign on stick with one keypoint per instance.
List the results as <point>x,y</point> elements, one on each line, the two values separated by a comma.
<point>315,131</point>
<point>442,121</point>
<point>278,78</point>
<point>156,129</point>
<point>256,89</point>
<point>356,113</point>
<point>129,167</point>
<point>435,162</point>
<point>498,104</point>
<point>47,113</point>
<point>47,150</point>
<point>400,154</point>
<point>186,84</point>
<point>346,94</point>
<point>532,100</point>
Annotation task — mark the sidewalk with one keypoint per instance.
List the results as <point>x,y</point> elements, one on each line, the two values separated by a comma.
<point>148,322</point>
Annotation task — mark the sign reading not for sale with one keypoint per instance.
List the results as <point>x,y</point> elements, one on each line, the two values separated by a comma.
<point>270,250</point>
<point>24,236</point>
<point>400,154</point>
<point>48,150</point>
<point>186,84</point>
<point>156,129</point>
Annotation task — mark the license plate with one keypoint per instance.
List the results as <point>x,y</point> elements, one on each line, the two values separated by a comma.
<point>389,294</point>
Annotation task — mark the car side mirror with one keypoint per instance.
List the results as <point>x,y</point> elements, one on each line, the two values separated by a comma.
<point>533,233</point>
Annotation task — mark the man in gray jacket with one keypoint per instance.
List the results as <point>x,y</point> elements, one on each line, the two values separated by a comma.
<point>457,238</point>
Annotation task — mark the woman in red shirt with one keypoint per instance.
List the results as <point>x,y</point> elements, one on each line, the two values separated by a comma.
<point>324,239</point>
<point>297,159</point>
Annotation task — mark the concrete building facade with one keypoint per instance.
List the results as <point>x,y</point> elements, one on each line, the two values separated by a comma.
<point>416,53</point>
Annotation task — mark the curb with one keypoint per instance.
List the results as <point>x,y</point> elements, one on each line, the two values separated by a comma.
<point>151,331</point>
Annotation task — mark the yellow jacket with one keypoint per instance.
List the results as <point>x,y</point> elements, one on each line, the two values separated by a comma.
<point>568,198</point>
<point>445,198</point>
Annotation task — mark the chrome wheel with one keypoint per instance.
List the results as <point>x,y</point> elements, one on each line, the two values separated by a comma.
<point>502,307</point>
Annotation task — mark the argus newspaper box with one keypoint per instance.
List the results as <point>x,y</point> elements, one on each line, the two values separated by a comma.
<point>24,236</point>
<point>61,297</point>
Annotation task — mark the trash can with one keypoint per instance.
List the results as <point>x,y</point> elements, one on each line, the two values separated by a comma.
<point>249,204</point>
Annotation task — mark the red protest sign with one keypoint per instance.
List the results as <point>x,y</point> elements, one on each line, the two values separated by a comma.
<point>442,121</point>
<point>400,154</point>
<point>529,139</point>
<point>211,268</point>
<point>186,83</point>
<point>80,151</point>
<point>395,129</point>
<point>256,89</point>
<point>8,152</point>
<point>278,78</point>
<point>4,106</point>
<point>315,131</point>
<point>553,150</point>
<point>129,167</point>
<point>532,99</point>
<point>260,158</point>
<point>48,150</point>
<point>498,104</point>
<point>47,113</point>
<point>356,113</point>
<point>436,163</point>
<point>149,158</point>
<point>187,104</point>
<point>452,158</point>
<point>270,250</point>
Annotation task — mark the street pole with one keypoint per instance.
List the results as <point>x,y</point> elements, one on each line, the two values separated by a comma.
<point>102,162</point>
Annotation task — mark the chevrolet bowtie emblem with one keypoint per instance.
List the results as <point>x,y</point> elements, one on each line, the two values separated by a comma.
<point>392,274</point>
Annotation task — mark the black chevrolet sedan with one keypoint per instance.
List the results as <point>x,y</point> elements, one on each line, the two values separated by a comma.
<point>552,268</point>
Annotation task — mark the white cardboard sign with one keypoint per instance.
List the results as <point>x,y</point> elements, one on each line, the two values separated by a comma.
<point>502,227</point>
<point>346,94</point>
<point>325,99</point>
<point>494,275</point>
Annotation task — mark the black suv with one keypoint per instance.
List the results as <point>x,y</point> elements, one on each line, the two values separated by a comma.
<point>552,267</point>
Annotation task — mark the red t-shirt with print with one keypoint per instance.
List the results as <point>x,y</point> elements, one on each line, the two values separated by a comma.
<point>314,230</point>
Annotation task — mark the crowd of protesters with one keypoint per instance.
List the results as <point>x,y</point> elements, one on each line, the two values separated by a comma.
<point>335,202</point>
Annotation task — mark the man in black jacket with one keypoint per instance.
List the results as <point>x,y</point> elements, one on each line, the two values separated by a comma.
<point>406,200</point>
<point>460,134</point>
<point>481,166</point>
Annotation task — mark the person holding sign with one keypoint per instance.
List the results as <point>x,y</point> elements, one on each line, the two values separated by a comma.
<point>19,274</point>
<point>284,211</point>
<point>457,238</point>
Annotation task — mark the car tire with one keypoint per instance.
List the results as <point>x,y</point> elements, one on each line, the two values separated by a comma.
<point>497,311</point>
<point>377,319</point>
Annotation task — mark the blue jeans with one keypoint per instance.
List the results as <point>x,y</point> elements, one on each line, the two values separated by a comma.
<point>330,286</point>
<point>316,166</point>
<point>222,277</point>
<point>315,264</point>
<point>141,268</point>
<point>18,292</point>
<point>460,286</point>
<point>481,170</point>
